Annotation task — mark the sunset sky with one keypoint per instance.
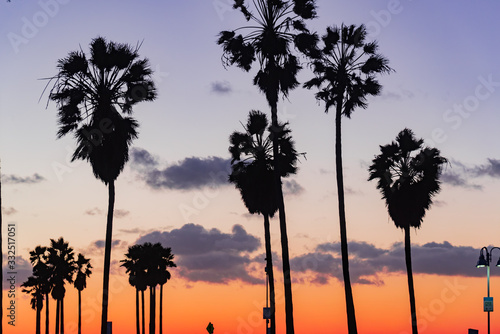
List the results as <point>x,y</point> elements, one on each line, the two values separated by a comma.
<point>446,88</point>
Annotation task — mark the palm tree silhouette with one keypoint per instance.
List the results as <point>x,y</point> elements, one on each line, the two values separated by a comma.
<point>33,286</point>
<point>147,266</point>
<point>166,261</point>
<point>268,41</point>
<point>91,95</point>
<point>408,178</point>
<point>61,259</point>
<point>43,272</point>
<point>253,174</point>
<point>345,69</point>
<point>83,271</point>
<point>136,271</point>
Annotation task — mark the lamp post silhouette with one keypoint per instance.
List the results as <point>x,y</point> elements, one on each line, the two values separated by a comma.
<point>485,262</point>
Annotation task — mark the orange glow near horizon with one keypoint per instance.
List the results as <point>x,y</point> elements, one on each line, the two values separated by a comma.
<point>444,305</point>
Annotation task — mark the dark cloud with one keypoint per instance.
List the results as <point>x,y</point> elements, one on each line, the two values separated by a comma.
<point>491,168</point>
<point>209,255</point>
<point>141,157</point>
<point>292,187</point>
<point>367,261</point>
<point>457,180</point>
<point>8,211</point>
<point>187,174</point>
<point>220,87</point>
<point>101,243</point>
<point>13,179</point>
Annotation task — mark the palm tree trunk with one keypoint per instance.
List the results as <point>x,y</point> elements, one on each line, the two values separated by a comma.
<point>47,313</point>
<point>161,309</point>
<point>351,316</point>
<point>409,273</point>
<point>137,322</point>
<point>57,315</point>
<point>270,272</point>
<point>79,312</point>
<point>284,237</point>
<point>107,257</point>
<point>152,309</point>
<point>62,315</point>
<point>39,305</point>
<point>143,317</point>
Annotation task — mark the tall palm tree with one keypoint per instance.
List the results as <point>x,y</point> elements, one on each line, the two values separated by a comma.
<point>345,69</point>
<point>61,259</point>
<point>166,261</point>
<point>83,270</point>
<point>253,174</point>
<point>33,286</point>
<point>94,97</point>
<point>268,41</point>
<point>408,178</point>
<point>42,271</point>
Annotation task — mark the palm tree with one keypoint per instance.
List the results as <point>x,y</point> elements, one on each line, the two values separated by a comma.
<point>61,259</point>
<point>83,271</point>
<point>94,97</point>
<point>33,286</point>
<point>268,41</point>
<point>135,266</point>
<point>408,178</point>
<point>345,69</point>
<point>253,174</point>
<point>166,261</point>
<point>42,271</point>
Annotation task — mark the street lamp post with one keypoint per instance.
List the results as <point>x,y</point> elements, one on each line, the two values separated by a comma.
<point>485,262</point>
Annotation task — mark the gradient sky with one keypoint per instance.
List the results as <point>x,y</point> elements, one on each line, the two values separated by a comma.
<point>446,87</point>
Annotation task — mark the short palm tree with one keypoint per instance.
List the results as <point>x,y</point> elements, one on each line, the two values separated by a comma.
<point>136,271</point>
<point>83,270</point>
<point>61,260</point>
<point>345,69</point>
<point>268,40</point>
<point>166,261</point>
<point>95,97</point>
<point>408,178</point>
<point>252,172</point>
<point>33,286</point>
<point>43,271</point>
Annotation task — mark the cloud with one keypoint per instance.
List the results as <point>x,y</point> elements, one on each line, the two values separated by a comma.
<point>93,212</point>
<point>102,243</point>
<point>187,174</point>
<point>292,187</point>
<point>8,211</point>
<point>209,255</point>
<point>457,180</point>
<point>142,157</point>
<point>120,213</point>
<point>13,179</point>
<point>462,174</point>
<point>367,261</point>
<point>491,168</point>
<point>221,87</point>
<point>23,270</point>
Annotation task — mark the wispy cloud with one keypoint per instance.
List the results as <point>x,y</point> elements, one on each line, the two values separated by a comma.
<point>462,174</point>
<point>117,213</point>
<point>14,179</point>
<point>292,187</point>
<point>8,211</point>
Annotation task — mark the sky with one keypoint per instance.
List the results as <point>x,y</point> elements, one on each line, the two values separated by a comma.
<point>445,87</point>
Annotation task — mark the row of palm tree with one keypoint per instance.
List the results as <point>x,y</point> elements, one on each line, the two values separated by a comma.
<point>147,266</point>
<point>345,68</point>
<point>53,267</point>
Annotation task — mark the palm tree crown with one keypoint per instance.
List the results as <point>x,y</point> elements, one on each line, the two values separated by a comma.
<point>252,163</point>
<point>345,68</point>
<point>268,41</point>
<point>90,92</point>
<point>408,178</point>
